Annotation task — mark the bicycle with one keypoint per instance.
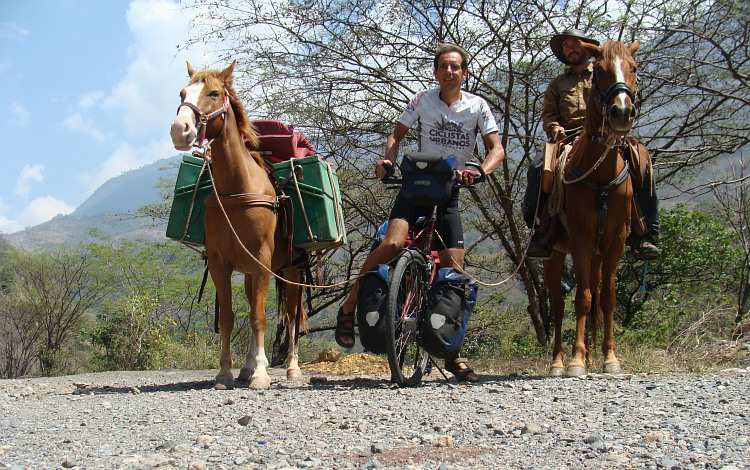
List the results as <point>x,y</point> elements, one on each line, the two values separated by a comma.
<point>411,279</point>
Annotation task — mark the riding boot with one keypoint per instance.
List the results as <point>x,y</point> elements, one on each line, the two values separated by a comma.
<point>533,206</point>
<point>646,248</point>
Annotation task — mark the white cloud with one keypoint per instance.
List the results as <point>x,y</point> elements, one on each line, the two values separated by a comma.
<point>76,122</point>
<point>90,99</point>
<point>20,112</point>
<point>43,209</point>
<point>148,94</point>
<point>11,31</point>
<point>28,173</point>
<point>9,226</point>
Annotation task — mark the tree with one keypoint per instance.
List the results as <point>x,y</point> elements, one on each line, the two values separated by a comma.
<point>695,273</point>
<point>343,70</point>
<point>55,290</point>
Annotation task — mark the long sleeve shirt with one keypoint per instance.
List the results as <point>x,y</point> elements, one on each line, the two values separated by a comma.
<point>565,100</point>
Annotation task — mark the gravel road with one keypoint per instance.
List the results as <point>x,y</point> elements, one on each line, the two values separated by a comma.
<point>175,419</point>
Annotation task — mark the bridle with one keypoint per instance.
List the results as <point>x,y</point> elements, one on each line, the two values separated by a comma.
<point>606,96</point>
<point>204,118</point>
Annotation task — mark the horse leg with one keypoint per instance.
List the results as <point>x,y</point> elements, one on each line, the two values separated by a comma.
<point>248,369</point>
<point>609,272</point>
<point>595,311</point>
<point>552,278</point>
<point>222,282</point>
<point>582,268</point>
<point>257,284</point>
<point>294,319</point>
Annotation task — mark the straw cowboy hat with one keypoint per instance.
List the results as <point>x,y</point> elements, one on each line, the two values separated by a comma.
<point>557,40</point>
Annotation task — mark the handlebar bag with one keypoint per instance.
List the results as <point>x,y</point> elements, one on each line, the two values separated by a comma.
<point>372,308</point>
<point>427,178</point>
<point>450,302</point>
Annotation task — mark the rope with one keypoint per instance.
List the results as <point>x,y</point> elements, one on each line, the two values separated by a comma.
<point>608,146</point>
<point>190,212</point>
<point>556,199</point>
<point>299,196</point>
<point>486,284</point>
<point>336,204</point>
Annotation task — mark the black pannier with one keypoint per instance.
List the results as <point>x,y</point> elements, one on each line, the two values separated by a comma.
<point>372,308</point>
<point>451,299</point>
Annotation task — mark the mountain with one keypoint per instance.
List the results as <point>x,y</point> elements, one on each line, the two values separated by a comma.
<point>108,210</point>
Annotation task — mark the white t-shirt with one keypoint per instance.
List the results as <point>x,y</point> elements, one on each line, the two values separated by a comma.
<point>449,130</point>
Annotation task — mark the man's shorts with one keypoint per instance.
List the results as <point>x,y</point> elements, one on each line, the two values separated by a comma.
<point>448,219</point>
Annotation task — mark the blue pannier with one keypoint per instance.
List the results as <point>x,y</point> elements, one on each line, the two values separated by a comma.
<point>427,178</point>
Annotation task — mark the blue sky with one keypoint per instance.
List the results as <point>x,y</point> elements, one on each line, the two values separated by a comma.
<point>90,88</point>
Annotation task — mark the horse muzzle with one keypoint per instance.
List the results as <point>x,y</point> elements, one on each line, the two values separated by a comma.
<point>621,110</point>
<point>183,133</point>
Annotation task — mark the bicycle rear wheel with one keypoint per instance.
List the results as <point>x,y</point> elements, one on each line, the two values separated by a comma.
<point>406,302</point>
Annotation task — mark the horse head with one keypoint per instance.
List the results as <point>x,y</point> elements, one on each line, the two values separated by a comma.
<point>205,103</point>
<point>614,83</point>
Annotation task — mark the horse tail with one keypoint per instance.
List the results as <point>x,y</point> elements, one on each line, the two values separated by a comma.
<point>283,292</point>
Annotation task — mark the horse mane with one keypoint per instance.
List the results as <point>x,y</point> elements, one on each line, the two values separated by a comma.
<point>612,49</point>
<point>244,126</point>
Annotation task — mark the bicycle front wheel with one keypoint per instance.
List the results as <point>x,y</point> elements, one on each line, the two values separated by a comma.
<point>407,299</point>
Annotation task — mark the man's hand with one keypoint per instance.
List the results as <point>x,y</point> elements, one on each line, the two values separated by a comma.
<point>383,169</point>
<point>559,133</point>
<point>466,176</point>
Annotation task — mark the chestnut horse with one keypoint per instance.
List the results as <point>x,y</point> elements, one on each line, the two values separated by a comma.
<point>597,204</point>
<point>243,232</point>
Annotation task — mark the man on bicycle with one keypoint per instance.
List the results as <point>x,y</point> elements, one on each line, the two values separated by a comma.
<point>447,120</point>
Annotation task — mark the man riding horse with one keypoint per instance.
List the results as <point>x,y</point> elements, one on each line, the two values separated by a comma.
<point>562,119</point>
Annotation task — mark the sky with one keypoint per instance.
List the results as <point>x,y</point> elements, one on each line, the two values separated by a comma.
<point>90,88</point>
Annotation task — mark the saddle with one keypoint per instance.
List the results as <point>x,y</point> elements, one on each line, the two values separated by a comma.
<point>636,155</point>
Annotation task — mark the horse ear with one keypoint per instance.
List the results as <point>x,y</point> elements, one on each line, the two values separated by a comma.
<point>592,50</point>
<point>191,70</point>
<point>634,47</point>
<point>226,74</point>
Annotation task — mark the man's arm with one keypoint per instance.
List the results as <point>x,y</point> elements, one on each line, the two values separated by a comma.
<point>391,147</point>
<point>491,162</point>
<point>496,152</point>
<point>551,116</point>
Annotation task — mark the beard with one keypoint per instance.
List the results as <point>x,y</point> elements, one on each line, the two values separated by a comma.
<point>579,60</point>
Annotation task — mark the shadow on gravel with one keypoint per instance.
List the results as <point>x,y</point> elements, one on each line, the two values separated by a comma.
<point>147,388</point>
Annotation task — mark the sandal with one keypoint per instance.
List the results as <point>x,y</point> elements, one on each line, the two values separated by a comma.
<point>462,374</point>
<point>342,330</point>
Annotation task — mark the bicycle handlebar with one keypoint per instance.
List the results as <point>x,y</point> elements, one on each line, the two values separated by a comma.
<point>390,179</point>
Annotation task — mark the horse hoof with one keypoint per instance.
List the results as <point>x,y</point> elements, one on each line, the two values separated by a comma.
<point>293,373</point>
<point>224,384</point>
<point>575,371</point>
<point>556,372</point>
<point>245,374</point>
<point>613,368</point>
<point>260,383</point>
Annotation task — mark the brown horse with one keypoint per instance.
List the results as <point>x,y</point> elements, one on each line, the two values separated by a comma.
<point>243,232</point>
<point>597,200</point>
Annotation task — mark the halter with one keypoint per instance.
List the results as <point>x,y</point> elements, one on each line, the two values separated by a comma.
<point>203,119</point>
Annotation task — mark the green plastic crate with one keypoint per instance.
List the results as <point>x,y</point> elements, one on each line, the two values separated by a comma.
<point>321,202</point>
<point>186,185</point>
